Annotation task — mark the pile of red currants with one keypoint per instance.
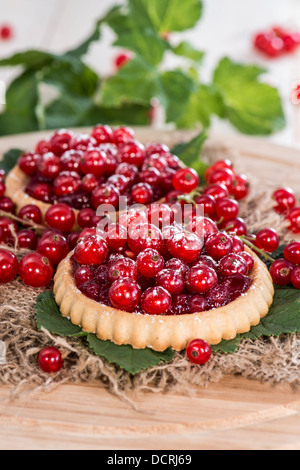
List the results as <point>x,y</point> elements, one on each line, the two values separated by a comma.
<point>277,42</point>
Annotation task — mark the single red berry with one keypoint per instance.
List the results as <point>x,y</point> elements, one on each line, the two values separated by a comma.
<point>295,277</point>
<point>122,59</point>
<point>132,216</point>
<point>70,160</point>
<point>223,176</point>
<point>176,264</point>
<point>185,245</point>
<point>170,280</point>
<point>121,269</point>
<point>50,359</point>
<point>198,351</point>
<point>42,146</point>
<point>131,172</point>
<point>203,227</point>
<point>267,239</point>
<point>237,225</point>
<point>89,183</point>
<point>232,264</point>
<point>32,213</point>
<point>105,194</point>
<point>160,214</point>
<point>155,161</point>
<point>92,250</point>
<point>54,247</point>
<point>238,244</point>
<point>49,165</point>
<point>6,32</point>
<point>285,200</point>
<point>201,278</point>
<point>197,303</point>
<point>156,148</point>
<point>8,266</point>
<point>83,274</point>
<point>72,239</point>
<point>207,261</point>
<point>9,229</point>
<point>293,219</point>
<point>144,236</point>
<point>240,188</point>
<point>61,141</point>
<point>35,270</point>
<point>83,141</point>
<point>93,161</point>
<point>102,133</point>
<point>227,208</point>
<point>156,300</point>
<point>292,252</point>
<point>125,294</point>
<point>226,163</point>
<point>40,191</point>
<point>186,180</point>
<point>120,182</point>
<point>7,205</point>
<point>208,203</point>
<point>218,245</point>
<point>27,239</point>
<point>150,176</point>
<point>122,134</point>
<point>280,271</point>
<point>216,190</point>
<point>249,260</point>
<point>60,216</point>
<point>150,262</point>
<point>132,152</point>
<point>28,162</point>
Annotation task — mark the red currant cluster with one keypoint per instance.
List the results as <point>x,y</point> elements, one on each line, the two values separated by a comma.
<point>277,41</point>
<point>85,171</point>
<point>286,270</point>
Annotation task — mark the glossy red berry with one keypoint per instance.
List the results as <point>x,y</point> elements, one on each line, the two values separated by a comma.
<point>70,160</point>
<point>156,300</point>
<point>40,191</point>
<point>227,208</point>
<point>293,220</point>
<point>32,213</point>
<point>7,205</point>
<point>208,203</point>
<point>125,294</point>
<point>185,180</point>
<point>61,141</point>
<point>8,266</point>
<point>176,264</point>
<point>292,252</point>
<point>185,245</point>
<point>249,260</point>
<point>49,165</point>
<point>132,152</point>
<point>237,225</point>
<point>60,216</point>
<point>232,264</point>
<point>102,133</point>
<point>225,163</point>
<point>91,250</point>
<point>142,193</point>
<point>218,245</point>
<point>285,200</point>
<point>115,236</point>
<point>172,281</point>
<point>83,274</point>
<point>216,190</point>
<point>9,229</point>
<point>295,277</point>
<point>50,359</point>
<point>150,262</point>
<point>28,162</point>
<point>267,239</point>
<point>93,161</point>
<point>105,194</point>
<point>123,268</point>
<point>200,278</point>
<point>121,135</point>
<point>6,32</point>
<point>2,189</point>
<point>223,176</point>
<point>197,303</point>
<point>280,271</point>
<point>54,247</point>
<point>198,351</point>
<point>27,239</point>
<point>144,236</point>
<point>35,270</point>
<point>241,187</point>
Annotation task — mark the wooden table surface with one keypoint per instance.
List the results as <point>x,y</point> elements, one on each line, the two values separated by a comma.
<point>234,413</point>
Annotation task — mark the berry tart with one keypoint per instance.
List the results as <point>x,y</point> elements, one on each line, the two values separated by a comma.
<point>85,171</point>
<point>163,287</point>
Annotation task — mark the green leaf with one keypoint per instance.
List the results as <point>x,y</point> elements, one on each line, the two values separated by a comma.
<point>31,59</point>
<point>251,106</point>
<point>166,15</point>
<point>227,346</point>
<point>175,88</point>
<point>10,159</point>
<point>48,316</point>
<point>130,359</point>
<point>190,152</point>
<point>83,48</point>
<point>186,50</point>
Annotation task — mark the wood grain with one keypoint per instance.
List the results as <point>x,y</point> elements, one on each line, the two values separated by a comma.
<point>235,413</point>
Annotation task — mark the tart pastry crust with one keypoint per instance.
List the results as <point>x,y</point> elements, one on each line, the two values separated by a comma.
<point>161,332</point>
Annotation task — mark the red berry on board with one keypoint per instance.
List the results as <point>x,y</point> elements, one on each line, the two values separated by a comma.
<point>125,294</point>
<point>241,187</point>
<point>60,216</point>
<point>223,176</point>
<point>292,252</point>
<point>35,270</point>
<point>267,239</point>
<point>227,208</point>
<point>8,266</point>
<point>50,359</point>
<point>54,247</point>
<point>27,239</point>
<point>156,300</point>
<point>198,351</point>
<point>280,271</point>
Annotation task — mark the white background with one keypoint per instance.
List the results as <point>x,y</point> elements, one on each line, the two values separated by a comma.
<point>226,28</point>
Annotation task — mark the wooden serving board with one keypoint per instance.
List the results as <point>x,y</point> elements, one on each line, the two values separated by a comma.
<point>235,413</point>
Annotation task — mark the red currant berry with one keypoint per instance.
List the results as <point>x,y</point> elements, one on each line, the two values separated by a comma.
<point>132,216</point>
<point>238,244</point>
<point>83,274</point>
<point>72,239</point>
<point>186,180</point>
<point>123,268</point>
<point>50,360</point>
<point>203,227</point>
<point>83,141</point>
<point>49,165</point>
<point>267,239</point>
<point>150,262</point>
<point>142,193</point>
<point>185,245</point>
<point>237,225</point>
<point>7,205</point>
<point>150,176</point>
<point>122,135</point>
<point>262,40</point>
<point>197,303</point>
<point>102,133</point>
<point>89,183</point>
<point>198,351</point>
<point>227,208</point>
<point>144,236</point>
<point>201,278</point>
<point>61,141</point>
<point>60,216</point>
<point>249,260</point>
<point>160,215</point>
<point>241,187</point>
<point>295,277</point>
<point>31,213</point>
<point>223,176</point>
<point>93,161</point>
<point>120,182</point>
<point>217,191</point>
<point>176,264</point>
<point>105,194</point>
<point>122,59</point>
<point>115,236</point>
<point>293,219</point>
<point>8,266</point>
<point>208,203</point>
<point>92,250</point>
<point>131,172</point>
<point>43,146</point>
<point>132,152</point>
<point>292,252</point>
<point>207,261</point>
<point>6,32</point>
<point>125,294</point>
<point>40,191</point>
<point>35,270</point>
<point>9,229</point>
<point>156,301</point>
<point>27,239</point>
<point>220,164</point>
<point>218,245</point>
<point>28,163</point>
<point>170,280</point>
<point>285,200</point>
<point>232,264</point>
<point>54,247</point>
<point>2,189</point>
<point>280,271</point>
<point>70,160</point>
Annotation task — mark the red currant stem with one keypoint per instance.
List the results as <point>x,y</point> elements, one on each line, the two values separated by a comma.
<point>258,250</point>
<point>187,198</point>
<point>221,220</point>
<point>22,221</point>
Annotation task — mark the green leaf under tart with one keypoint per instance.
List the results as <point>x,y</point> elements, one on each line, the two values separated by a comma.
<point>251,106</point>
<point>10,159</point>
<point>132,360</point>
